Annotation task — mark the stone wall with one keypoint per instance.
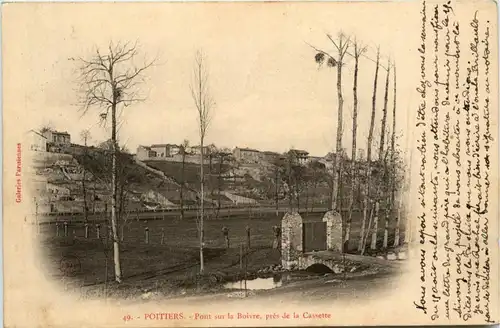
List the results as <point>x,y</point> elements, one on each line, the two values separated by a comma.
<point>291,240</point>
<point>333,231</point>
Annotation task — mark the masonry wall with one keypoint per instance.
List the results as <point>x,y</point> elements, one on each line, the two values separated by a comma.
<point>291,240</point>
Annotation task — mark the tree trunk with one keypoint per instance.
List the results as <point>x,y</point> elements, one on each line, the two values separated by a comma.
<point>373,245</point>
<point>84,187</point>
<point>290,188</point>
<point>202,208</point>
<point>182,182</point>
<point>297,193</point>
<point>114,226</point>
<point>336,159</point>
<point>93,197</point>
<point>354,137</point>
<point>210,184</point>
<point>366,195</point>
<point>219,187</point>
<point>384,116</point>
<point>307,198</point>
<point>315,186</point>
<point>381,153</point>
<point>277,193</point>
<point>394,168</point>
<point>365,237</point>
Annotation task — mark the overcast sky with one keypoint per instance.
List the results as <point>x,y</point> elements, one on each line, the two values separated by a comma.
<point>269,91</point>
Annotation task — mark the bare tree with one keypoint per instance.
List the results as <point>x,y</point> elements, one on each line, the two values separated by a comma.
<point>358,51</point>
<point>85,135</point>
<point>382,159</point>
<point>278,164</point>
<point>110,81</point>
<point>366,198</point>
<point>393,162</point>
<point>342,45</point>
<point>46,127</point>
<point>384,114</point>
<point>205,104</point>
<point>184,147</point>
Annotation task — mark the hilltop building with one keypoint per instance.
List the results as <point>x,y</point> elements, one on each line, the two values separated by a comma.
<point>248,155</point>
<point>300,155</point>
<point>145,152</point>
<point>37,141</point>
<point>57,138</point>
<point>196,150</point>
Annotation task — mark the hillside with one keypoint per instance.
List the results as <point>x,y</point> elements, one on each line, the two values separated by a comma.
<point>220,180</point>
<point>59,182</point>
<point>63,181</point>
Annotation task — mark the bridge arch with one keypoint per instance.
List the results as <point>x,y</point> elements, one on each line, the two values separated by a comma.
<point>319,268</point>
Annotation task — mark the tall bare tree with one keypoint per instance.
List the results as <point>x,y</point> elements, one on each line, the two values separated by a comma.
<point>278,163</point>
<point>384,114</point>
<point>109,81</point>
<point>366,198</point>
<point>85,135</point>
<point>184,147</point>
<point>205,104</point>
<point>342,45</point>
<point>393,161</point>
<point>383,160</point>
<point>358,51</point>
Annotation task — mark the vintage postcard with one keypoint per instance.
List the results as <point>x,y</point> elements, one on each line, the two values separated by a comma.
<point>250,163</point>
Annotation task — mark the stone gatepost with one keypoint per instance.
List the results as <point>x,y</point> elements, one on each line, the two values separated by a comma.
<point>333,231</point>
<point>291,240</point>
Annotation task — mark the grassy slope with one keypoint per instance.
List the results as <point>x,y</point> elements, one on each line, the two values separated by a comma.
<point>138,179</point>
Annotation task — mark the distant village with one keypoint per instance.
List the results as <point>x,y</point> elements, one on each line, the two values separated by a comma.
<point>55,141</point>
<point>243,155</point>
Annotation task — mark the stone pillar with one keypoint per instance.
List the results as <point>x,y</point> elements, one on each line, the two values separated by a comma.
<point>333,231</point>
<point>291,240</point>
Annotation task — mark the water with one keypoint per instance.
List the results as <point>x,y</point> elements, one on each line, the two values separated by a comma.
<point>256,284</point>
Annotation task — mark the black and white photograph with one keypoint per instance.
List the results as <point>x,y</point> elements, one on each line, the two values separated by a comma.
<point>250,164</point>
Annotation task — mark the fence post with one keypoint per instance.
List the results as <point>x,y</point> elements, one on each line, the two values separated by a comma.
<point>65,229</point>
<point>86,230</point>
<point>162,236</point>
<point>57,229</point>
<point>248,236</point>
<point>277,235</point>
<point>146,231</point>
<point>225,232</point>
<point>98,231</point>
<point>137,214</point>
<point>241,256</point>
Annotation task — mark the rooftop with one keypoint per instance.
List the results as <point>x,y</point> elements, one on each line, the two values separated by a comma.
<point>248,149</point>
<point>164,145</point>
<point>36,132</point>
<point>299,151</point>
<point>63,133</point>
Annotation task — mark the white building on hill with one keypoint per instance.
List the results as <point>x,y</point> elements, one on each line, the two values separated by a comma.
<point>37,142</point>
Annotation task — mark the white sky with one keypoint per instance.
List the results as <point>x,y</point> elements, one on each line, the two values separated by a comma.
<point>270,94</point>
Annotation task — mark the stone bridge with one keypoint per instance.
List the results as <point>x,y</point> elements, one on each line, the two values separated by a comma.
<point>301,242</point>
<point>307,244</point>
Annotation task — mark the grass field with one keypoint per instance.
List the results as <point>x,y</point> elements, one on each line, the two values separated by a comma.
<point>176,260</point>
